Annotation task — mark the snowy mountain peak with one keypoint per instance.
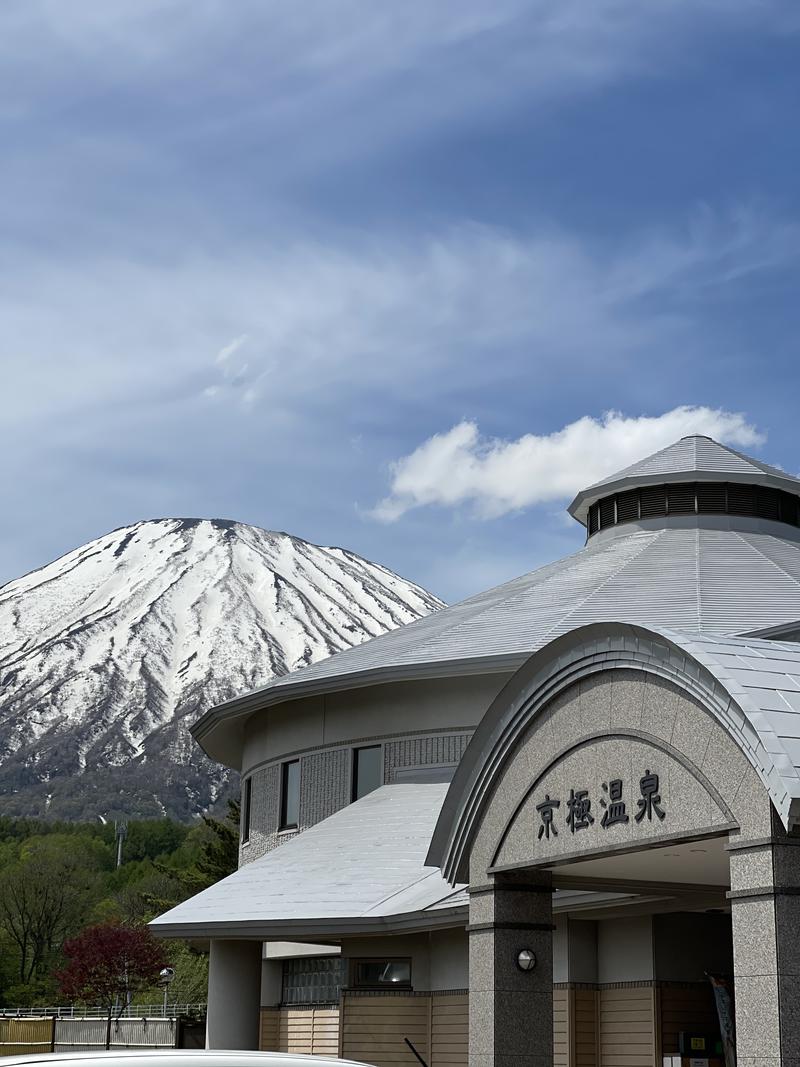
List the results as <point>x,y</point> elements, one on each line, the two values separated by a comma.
<point>108,653</point>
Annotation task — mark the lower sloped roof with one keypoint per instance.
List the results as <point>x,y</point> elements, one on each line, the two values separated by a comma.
<point>356,871</point>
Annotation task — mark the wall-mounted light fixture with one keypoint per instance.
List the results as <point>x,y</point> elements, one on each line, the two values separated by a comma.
<point>526,959</point>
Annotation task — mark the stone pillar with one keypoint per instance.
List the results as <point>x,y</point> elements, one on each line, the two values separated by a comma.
<point>765,905</point>
<point>511,1010</point>
<point>234,995</point>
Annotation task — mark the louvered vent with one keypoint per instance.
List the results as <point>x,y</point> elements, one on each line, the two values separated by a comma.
<point>628,506</point>
<point>688,498</point>
<point>741,500</point>
<point>712,498</point>
<point>607,512</point>
<point>680,500</point>
<point>789,507</point>
<point>594,519</point>
<point>767,504</point>
<point>654,501</point>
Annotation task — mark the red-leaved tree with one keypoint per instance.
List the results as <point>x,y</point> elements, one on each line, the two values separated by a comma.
<point>109,964</point>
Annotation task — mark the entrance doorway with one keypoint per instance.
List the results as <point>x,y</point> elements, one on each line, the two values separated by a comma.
<point>637,939</point>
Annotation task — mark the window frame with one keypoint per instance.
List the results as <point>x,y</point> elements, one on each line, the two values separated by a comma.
<point>355,961</point>
<point>354,769</point>
<point>284,826</point>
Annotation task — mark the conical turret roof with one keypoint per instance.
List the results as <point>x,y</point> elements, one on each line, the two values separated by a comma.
<point>708,574</point>
<point>693,458</point>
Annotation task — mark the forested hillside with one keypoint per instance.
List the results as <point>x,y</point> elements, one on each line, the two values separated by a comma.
<point>58,878</point>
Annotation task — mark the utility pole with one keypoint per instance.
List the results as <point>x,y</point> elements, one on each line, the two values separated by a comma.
<point>121,832</point>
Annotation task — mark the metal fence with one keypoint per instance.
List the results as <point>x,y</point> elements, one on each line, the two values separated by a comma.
<point>132,1011</point>
<point>87,1035</point>
<point>19,1036</point>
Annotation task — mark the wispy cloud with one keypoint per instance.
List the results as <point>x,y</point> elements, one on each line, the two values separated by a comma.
<point>317,81</point>
<point>230,349</point>
<point>318,319</point>
<point>460,466</point>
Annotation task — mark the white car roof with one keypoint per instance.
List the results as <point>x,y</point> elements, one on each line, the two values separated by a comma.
<point>185,1057</point>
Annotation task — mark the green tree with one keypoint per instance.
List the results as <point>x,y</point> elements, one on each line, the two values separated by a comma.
<point>190,984</point>
<point>219,854</point>
<point>44,897</point>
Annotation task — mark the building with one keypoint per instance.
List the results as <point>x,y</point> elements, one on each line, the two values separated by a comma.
<point>527,827</point>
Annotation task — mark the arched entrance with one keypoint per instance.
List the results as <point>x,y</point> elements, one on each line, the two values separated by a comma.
<point>625,814</point>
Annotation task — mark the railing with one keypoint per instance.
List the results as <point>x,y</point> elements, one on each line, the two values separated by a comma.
<point>132,1011</point>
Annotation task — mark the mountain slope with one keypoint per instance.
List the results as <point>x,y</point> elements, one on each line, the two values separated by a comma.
<point>110,652</point>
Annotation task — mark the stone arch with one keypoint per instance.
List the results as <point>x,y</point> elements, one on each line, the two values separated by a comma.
<point>721,817</point>
<point>600,672</point>
<point>618,724</point>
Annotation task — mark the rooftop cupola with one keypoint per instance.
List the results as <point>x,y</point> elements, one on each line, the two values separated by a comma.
<point>694,476</point>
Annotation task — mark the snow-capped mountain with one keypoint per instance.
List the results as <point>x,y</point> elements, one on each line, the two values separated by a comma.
<point>109,653</point>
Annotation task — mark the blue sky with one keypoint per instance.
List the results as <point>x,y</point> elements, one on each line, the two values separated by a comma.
<point>376,273</point>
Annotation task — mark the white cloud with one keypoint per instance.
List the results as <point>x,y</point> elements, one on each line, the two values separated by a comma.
<point>495,476</point>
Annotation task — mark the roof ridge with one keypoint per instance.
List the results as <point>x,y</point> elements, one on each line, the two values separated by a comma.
<point>656,534</point>
<point>769,559</point>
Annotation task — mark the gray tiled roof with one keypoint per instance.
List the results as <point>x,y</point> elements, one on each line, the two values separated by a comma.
<point>693,454</point>
<point>361,870</point>
<point>749,685</point>
<point>690,459</point>
<point>763,677</point>
<point>704,580</point>
<point>351,872</point>
<point>364,868</point>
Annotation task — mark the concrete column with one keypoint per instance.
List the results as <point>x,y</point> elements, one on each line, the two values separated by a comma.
<point>765,905</point>
<point>510,1010</point>
<point>234,995</point>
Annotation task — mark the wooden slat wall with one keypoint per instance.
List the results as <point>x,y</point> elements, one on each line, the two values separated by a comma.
<point>373,1029</point>
<point>686,1008</point>
<point>449,1029</point>
<point>561,1025</point>
<point>585,1007</point>
<point>627,1019</point>
<point>325,1040</point>
<point>300,1029</point>
<point>269,1029</point>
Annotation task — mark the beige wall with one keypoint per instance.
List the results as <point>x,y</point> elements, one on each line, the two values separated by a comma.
<point>300,1029</point>
<point>561,1028</point>
<point>372,712</point>
<point>373,1029</point>
<point>627,1026</point>
<point>594,1026</point>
